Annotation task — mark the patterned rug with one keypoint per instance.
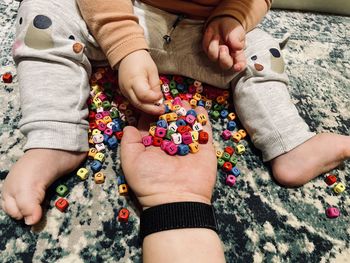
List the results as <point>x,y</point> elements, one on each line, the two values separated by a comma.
<point>258,220</point>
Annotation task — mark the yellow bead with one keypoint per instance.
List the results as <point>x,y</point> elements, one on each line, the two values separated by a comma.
<point>91,141</point>
<point>219,153</point>
<point>152,130</point>
<point>123,189</point>
<point>172,116</point>
<point>168,103</point>
<point>83,173</point>
<point>107,119</point>
<point>95,132</point>
<point>193,103</point>
<point>99,157</point>
<point>99,178</point>
<point>96,89</point>
<point>236,137</point>
<point>194,135</point>
<point>194,147</point>
<point>176,107</point>
<point>197,96</point>
<point>163,117</point>
<point>243,133</point>
<point>231,116</point>
<point>97,102</point>
<point>339,188</point>
<point>202,119</point>
<point>240,149</point>
<point>99,121</point>
<point>92,153</point>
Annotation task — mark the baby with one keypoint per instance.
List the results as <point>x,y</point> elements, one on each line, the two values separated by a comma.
<point>212,41</point>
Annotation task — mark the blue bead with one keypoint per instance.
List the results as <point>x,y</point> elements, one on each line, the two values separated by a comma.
<point>201,103</point>
<point>235,171</point>
<point>183,149</point>
<point>121,180</point>
<point>231,125</point>
<point>181,122</point>
<point>192,112</point>
<point>116,127</point>
<point>180,87</point>
<point>167,110</point>
<point>162,123</point>
<point>105,138</point>
<point>112,142</point>
<point>224,114</point>
<point>96,166</point>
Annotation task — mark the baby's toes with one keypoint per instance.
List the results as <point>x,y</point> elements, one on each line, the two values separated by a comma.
<point>10,207</point>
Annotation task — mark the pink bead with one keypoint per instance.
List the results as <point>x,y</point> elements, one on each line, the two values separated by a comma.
<point>226,134</point>
<point>106,113</point>
<point>187,138</point>
<point>102,97</point>
<point>332,212</point>
<point>177,101</point>
<point>171,149</point>
<point>98,116</point>
<point>147,140</point>
<point>160,132</point>
<point>230,180</point>
<point>164,144</point>
<point>108,131</point>
<point>189,96</point>
<point>164,79</point>
<point>101,126</point>
<point>190,119</point>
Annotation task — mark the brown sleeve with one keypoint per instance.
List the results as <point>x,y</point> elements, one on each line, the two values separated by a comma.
<point>248,12</point>
<point>114,26</point>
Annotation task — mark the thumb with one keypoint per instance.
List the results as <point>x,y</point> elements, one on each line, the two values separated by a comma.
<point>131,146</point>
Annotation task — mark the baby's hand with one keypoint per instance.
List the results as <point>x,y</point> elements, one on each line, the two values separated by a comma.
<point>224,41</point>
<point>139,82</point>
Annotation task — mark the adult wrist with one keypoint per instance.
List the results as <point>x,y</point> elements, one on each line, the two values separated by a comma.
<point>177,215</point>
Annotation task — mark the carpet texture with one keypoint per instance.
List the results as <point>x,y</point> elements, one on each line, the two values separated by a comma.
<point>258,220</point>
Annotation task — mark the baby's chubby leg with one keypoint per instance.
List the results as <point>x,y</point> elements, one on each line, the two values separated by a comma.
<point>264,107</point>
<point>53,72</point>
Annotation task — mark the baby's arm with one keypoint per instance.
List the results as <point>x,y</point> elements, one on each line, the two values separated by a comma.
<point>224,37</point>
<point>116,29</point>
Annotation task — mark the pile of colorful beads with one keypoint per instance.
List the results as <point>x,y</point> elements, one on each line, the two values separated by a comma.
<point>331,179</point>
<point>177,131</point>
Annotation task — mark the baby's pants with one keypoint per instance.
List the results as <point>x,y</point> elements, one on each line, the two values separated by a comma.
<point>53,48</point>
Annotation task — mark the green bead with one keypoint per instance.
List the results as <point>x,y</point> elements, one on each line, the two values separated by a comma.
<point>233,160</point>
<point>174,92</point>
<point>215,115</point>
<point>92,106</point>
<point>218,107</point>
<point>220,162</point>
<point>226,156</point>
<point>168,134</point>
<point>172,84</point>
<point>114,114</point>
<point>62,190</point>
<point>106,105</point>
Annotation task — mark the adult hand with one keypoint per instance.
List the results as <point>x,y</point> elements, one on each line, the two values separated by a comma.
<point>158,178</point>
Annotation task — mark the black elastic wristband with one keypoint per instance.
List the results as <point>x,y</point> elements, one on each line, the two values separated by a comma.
<point>177,215</point>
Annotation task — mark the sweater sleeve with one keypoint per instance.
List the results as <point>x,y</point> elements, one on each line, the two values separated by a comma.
<point>114,26</point>
<point>248,12</point>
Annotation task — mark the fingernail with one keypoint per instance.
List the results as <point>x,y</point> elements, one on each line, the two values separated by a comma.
<point>28,220</point>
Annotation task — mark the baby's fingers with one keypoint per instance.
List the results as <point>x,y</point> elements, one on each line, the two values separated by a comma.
<point>150,108</point>
<point>225,60</point>
<point>145,93</point>
<point>240,61</point>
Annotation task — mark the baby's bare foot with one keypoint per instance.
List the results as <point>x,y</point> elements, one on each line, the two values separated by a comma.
<point>318,155</point>
<point>25,185</point>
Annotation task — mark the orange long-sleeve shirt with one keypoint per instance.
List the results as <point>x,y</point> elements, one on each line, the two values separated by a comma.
<point>116,28</point>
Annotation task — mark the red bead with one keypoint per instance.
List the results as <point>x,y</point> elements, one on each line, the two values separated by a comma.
<point>229,150</point>
<point>92,125</point>
<point>178,79</point>
<point>7,78</point>
<point>119,135</point>
<point>183,129</point>
<point>92,115</point>
<point>227,166</point>
<point>203,137</point>
<point>330,179</point>
<point>123,215</point>
<point>61,204</point>
<point>157,141</point>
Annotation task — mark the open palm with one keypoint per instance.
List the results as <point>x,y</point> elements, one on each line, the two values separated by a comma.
<point>158,178</point>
